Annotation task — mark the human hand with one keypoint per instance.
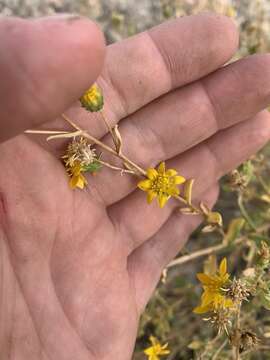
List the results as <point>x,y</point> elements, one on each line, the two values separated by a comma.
<point>78,267</point>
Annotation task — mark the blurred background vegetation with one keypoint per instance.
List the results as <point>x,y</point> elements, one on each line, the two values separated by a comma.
<point>244,199</point>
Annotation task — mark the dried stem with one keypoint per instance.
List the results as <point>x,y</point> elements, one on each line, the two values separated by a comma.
<point>116,167</point>
<point>46,132</point>
<point>107,124</point>
<point>237,332</point>
<point>222,346</point>
<point>204,252</point>
<point>106,147</point>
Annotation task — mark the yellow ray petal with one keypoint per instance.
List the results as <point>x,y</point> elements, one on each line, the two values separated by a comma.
<point>144,184</point>
<point>162,199</point>
<point>152,173</point>
<point>204,279</point>
<point>179,179</point>
<point>150,196</point>
<point>161,168</point>
<point>223,267</point>
<point>174,191</point>
<point>171,172</point>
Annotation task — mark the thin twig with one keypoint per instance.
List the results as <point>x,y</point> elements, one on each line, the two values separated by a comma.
<point>204,252</point>
<point>222,346</point>
<point>107,124</point>
<point>245,213</point>
<point>209,345</point>
<point>106,147</point>
<point>115,167</point>
<point>237,332</point>
<point>46,132</point>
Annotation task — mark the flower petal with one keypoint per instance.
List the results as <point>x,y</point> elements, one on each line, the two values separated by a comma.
<point>173,191</point>
<point>145,184</point>
<point>202,309</point>
<point>171,172</point>
<point>152,173</point>
<point>179,179</point>
<point>223,267</point>
<point>161,168</point>
<point>73,182</point>
<point>204,279</point>
<point>162,199</point>
<point>150,196</point>
<point>207,298</point>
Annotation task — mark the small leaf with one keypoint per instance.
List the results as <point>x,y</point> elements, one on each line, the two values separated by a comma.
<point>93,167</point>
<point>188,211</point>
<point>265,299</point>
<point>234,229</point>
<point>208,229</point>
<point>196,345</point>
<point>188,190</point>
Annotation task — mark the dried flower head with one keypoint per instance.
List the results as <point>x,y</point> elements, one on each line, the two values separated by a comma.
<point>221,320</point>
<point>161,183</point>
<point>79,150</point>
<point>79,158</point>
<point>156,350</point>
<point>246,339</point>
<point>237,180</point>
<point>214,296</point>
<point>92,100</point>
<point>239,291</point>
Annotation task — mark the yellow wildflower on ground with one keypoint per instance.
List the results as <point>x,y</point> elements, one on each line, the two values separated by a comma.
<point>156,350</point>
<point>214,295</point>
<point>161,183</point>
<point>92,100</point>
<point>77,178</point>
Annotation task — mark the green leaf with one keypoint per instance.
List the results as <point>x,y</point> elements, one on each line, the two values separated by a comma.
<point>265,299</point>
<point>93,167</point>
<point>234,230</point>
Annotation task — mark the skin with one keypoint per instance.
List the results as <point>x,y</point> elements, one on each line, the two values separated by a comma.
<point>78,267</point>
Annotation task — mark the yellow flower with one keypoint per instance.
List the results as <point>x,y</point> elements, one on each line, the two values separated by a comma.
<point>92,100</point>
<point>156,350</point>
<point>161,183</point>
<point>213,297</point>
<point>77,179</point>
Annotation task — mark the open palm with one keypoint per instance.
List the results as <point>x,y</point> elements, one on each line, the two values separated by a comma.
<point>78,267</point>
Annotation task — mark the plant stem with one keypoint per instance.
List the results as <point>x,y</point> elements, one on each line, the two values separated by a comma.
<point>237,330</point>
<point>46,132</point>
<point>115,167</point>
<point>222,346</point>
<point>245,213</point>
<point>107,124</point>
<point>212,249</point>
<point>106,147</point>
<point>204,252</point>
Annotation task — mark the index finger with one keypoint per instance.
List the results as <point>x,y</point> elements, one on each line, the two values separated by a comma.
<point>146,66</point>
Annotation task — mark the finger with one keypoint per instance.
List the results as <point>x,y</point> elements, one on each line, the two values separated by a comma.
<point>166,57</point>
<point>182,119</point>
<point>44,68</point>
<point>206,163</point>
<point>147,262</point>
<point>146,66</point>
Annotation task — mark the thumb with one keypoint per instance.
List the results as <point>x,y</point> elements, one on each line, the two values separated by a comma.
<point>45,65</point>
